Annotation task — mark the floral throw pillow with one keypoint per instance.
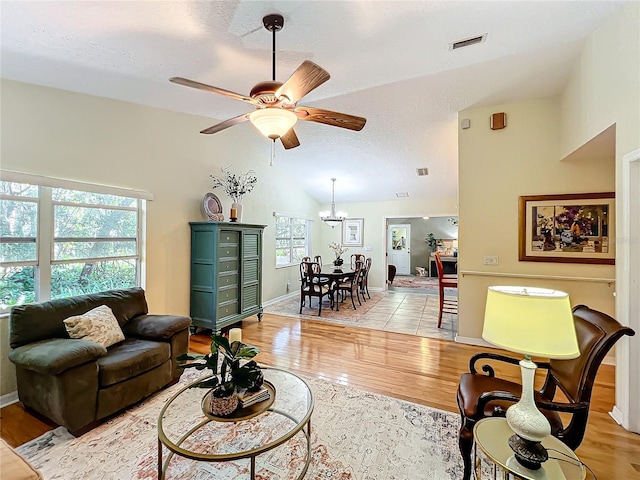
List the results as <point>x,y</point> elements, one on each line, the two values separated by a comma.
<point>98,325</point>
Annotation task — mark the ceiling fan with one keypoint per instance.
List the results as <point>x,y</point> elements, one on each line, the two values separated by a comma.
<point>276,103</point>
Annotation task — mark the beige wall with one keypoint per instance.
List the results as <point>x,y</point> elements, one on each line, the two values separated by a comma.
<point>96,140</point>
<point>498,166</point>
<point>375,215</point>
<point>605,90</point>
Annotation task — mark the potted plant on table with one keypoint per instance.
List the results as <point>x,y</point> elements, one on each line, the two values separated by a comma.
<point>229,375</point>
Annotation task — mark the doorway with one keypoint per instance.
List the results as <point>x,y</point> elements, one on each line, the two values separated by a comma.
<point>399,247</point>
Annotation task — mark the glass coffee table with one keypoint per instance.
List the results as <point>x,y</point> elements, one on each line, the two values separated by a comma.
<point>187,432</point>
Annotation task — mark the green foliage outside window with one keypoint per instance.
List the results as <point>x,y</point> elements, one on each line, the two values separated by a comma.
<point>87,227</point>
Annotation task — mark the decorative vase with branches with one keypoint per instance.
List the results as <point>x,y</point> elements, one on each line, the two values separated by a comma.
<point>236,186</point>
<point>338,250</point>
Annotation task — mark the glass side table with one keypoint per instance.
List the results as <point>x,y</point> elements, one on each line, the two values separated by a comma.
<point>491,437</point>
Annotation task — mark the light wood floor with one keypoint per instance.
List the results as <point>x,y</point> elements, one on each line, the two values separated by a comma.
<point>416,369</point>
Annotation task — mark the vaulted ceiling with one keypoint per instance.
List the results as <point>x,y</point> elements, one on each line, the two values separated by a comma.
<point>390,61</point>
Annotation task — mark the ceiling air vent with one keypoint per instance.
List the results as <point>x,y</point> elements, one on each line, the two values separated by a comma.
<point>422,171</point>
<point>468,42</point>
<point>402,194</point>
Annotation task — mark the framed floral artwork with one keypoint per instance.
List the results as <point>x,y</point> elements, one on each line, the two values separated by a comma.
<point>352,232</point>
<point>569,228</point>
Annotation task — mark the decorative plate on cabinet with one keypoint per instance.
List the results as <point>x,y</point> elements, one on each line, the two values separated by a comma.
<point>212,207</point>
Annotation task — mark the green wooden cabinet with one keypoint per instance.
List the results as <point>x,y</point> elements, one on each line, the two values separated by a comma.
<point>226,273</point>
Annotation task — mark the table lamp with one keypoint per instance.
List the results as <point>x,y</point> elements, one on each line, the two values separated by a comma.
<point>531,321</point>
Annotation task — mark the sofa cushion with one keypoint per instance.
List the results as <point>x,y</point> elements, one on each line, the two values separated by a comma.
<point>130,358</point>
<point>157,327</point>
<point>41,321</point>
<point>56,355</point>
<point>98,325</point>
<point>14,467</point>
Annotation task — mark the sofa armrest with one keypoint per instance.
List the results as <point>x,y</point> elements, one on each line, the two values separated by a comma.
<point>56,355</point>
<point>156,327</point>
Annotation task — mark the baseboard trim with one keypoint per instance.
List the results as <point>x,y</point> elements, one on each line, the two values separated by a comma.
<point>8,399</point>
<point>280,298</point>
<point>479,342</point>
<point>617,415</point>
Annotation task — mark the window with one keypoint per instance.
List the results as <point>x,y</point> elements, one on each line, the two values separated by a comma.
<point>292,240</point>
<point>18,246</point>
<point>91,242</point>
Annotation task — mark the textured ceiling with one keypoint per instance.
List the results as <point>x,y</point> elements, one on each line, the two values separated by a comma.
<point>389,62</point>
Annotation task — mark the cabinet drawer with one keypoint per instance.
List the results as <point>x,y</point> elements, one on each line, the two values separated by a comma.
<point>227,309</point>
<point>225,251</point>
<point>228,265</point>
<point>227,236</point>
<point>226,280</point>
<point>227,293</point>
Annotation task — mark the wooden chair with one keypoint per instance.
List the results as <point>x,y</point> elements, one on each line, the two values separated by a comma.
<point>349,285</point>
<point>444,281</point>
<point>312,285</point>
<point>318,259</point>
<point>363,283</point>
<point>481,395</point>
<point>357,257</point>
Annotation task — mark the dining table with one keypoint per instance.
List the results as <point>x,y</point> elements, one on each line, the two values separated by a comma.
<point>336,274</point>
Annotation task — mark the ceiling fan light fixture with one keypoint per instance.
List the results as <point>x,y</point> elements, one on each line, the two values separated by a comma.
<point>273,123</point>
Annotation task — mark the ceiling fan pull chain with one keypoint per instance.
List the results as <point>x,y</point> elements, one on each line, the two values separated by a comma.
<point>273,152</point>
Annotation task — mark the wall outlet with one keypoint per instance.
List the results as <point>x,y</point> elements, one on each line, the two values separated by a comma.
<point>490,260</point>
<point>288,285</point>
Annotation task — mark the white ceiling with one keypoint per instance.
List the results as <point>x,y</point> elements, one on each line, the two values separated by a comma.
<point>389,62</point>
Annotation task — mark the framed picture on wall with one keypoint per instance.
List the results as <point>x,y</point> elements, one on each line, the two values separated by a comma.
<point>352,232</point>
<point>569,228</point>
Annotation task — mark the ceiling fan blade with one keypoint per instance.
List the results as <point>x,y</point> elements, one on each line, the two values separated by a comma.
<point>306,77</point>
<point>203,86</point>
<point>330,118</point>
<point>227,123</point>
<point>290,139</point>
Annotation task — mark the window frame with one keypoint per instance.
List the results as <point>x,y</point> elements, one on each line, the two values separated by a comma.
<point>45,229</point>
<point>307,238</point>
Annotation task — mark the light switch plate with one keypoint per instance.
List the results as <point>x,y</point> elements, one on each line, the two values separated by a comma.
<point>490,260</point>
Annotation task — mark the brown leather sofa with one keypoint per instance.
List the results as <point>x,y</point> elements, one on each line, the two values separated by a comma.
<point>77,383</point>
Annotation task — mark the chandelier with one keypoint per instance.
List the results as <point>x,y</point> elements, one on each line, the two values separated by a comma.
<point>332,218</point>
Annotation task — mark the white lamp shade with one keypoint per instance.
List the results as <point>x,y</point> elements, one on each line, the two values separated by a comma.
<point>531,321</point>
<point>273,122</point>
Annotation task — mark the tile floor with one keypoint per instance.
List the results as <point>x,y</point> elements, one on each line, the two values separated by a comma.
<point>414,313</point>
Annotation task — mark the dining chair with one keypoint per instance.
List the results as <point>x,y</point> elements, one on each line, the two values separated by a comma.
<point>356,257</point>
<point>447,305</point>
<point>318,259</point>
<point>363,283</point>
<point>349,285</point>
<point>483,395</point>
<point>311,285</point>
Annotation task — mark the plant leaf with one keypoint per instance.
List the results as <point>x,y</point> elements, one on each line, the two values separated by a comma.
<point>209,383</point>
<point>247,351</point>
<point>189,356</point>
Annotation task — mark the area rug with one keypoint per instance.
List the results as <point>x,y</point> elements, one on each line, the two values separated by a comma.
<point>346,315</point>
<point>356,435</point>
<point>423,284</point>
